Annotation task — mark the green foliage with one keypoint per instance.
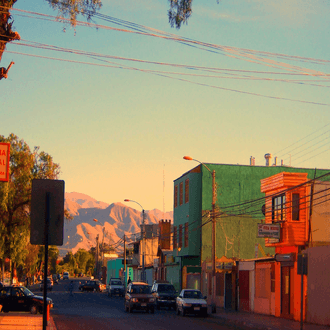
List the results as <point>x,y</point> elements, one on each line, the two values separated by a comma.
<point>72,8</point>
<point>179,12</point>
<point>15,197</point>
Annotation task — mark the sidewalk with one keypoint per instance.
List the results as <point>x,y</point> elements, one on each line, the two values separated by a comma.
<point>26,321</point>
<point>260,321</point>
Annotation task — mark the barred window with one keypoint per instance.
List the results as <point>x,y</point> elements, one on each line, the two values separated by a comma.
<point>175,196</point>
<point>186,191</point>
<point>278,208</point>
<point>181,193</point>
<point>174,237</point>
<point>295,206</point>
<point>180,236</point>
<point>186,237</point>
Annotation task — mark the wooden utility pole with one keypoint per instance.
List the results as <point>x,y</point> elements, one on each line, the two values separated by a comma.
<point>125,275</point>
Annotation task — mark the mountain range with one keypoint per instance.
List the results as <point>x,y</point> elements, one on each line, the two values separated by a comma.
<point>116,218</point>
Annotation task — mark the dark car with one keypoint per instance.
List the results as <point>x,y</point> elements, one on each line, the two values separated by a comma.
<point>138,297</point>
<point>93,285</point>
<point>49,285</point>
<point>20,299</point>
<point>165,294</point>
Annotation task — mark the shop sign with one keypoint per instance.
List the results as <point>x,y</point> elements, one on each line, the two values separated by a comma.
<point>4,161</point>
<point>269,230</point>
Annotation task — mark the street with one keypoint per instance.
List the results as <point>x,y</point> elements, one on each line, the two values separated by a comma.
<point>92,310</point>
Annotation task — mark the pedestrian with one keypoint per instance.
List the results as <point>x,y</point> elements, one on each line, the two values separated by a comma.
<point>129,280</point>
<point>71,288</point>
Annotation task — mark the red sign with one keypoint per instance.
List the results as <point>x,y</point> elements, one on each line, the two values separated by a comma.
<point>4,161</point>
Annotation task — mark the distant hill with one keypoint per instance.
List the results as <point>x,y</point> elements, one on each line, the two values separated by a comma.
<point>118,219</point>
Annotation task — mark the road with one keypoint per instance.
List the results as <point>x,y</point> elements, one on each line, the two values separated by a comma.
<point>97,311</point>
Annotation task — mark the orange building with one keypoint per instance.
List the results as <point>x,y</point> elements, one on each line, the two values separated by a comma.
<point>287,205</point>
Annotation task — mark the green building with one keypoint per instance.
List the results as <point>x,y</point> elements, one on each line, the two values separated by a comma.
<point>239,208</point>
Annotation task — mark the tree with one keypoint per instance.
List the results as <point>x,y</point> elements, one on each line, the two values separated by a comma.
<point>15,196</point>
<point>69,9</point>
<point>179,12</point>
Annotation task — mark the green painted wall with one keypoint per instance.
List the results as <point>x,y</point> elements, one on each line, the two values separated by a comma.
<point>190,212</point>
<point>173,275</point>
<point>236,230</point>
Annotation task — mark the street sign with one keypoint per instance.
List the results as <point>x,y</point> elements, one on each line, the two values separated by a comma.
<point>4,161</point>
<point>54,189</point>
<point>269,230</point>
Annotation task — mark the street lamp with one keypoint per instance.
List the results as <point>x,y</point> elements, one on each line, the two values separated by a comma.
<point>143,240</point>
<point>214,196</point>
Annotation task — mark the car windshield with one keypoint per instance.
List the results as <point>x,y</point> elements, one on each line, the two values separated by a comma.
<point>27,292</point>
<point>140,289</point>
<point>193,294</point>
<point>166,288</point>
<point>116,283</point>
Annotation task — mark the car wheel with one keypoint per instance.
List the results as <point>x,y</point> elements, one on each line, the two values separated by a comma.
<point>183,312</point>
<point>130,309</point>
<point>33,309</point>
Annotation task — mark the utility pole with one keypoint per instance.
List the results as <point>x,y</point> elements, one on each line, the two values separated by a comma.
<point>143,248</point>
<point>125,281</point>
<point>97,257</point>
<point>214,197</point>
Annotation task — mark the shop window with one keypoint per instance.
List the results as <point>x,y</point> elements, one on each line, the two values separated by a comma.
<point>175,196</point>
<point>175,238</point>
<point>186,237</point>
<point>278,208</point>
<point>180,236</point>
<point>295,206</point>
<point>272,278</point>
<point>186,191</point>
<point>181,193</point>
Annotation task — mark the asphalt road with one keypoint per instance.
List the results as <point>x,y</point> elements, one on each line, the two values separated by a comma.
<point>97,311</point>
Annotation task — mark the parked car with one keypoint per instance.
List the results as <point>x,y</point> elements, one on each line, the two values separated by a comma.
<point>191,302</point>
<point>116,287</point>
<point>66,276</point>
<point>94,285</point>
<point>49,285</point>
<point>82,283</point>
<point>138,297</point>
<point>21,299</point>
<point>165,294</point>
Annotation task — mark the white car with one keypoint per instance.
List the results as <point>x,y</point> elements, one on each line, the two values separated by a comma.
<point>65,276</point>
<point>191,302</point>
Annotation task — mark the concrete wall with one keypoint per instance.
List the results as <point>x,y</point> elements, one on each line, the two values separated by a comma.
<point>318,285</point>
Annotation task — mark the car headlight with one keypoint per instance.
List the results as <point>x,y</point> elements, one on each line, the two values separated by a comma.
<point>152,300</point>
<point>134,300</point>
<point>186,305</point>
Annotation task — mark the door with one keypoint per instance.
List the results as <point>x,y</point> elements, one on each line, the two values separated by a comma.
<point>285,291</point>
<point>228,291</point>
<point>244,290</point>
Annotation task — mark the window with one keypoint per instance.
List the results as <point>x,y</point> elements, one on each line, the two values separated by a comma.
<point>175,196</point>
<point>186,237</point>
<point>181,193</point>
<point>174,238</point>
<point>180,236</point>
<point>186,191</point>
<point>278,208</point>
<point>295,206</point>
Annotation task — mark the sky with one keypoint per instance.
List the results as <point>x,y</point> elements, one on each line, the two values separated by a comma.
<point>241,79</point>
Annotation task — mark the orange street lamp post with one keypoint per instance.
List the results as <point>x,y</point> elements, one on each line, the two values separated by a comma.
<point>143,277</point>
<point>214,197</point>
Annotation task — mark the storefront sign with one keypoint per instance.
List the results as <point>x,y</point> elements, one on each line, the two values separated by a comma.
<point>4,161</point>
<point>269,230</point>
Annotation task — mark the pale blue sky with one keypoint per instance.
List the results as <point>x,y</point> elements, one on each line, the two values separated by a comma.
<point>115,131</point>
